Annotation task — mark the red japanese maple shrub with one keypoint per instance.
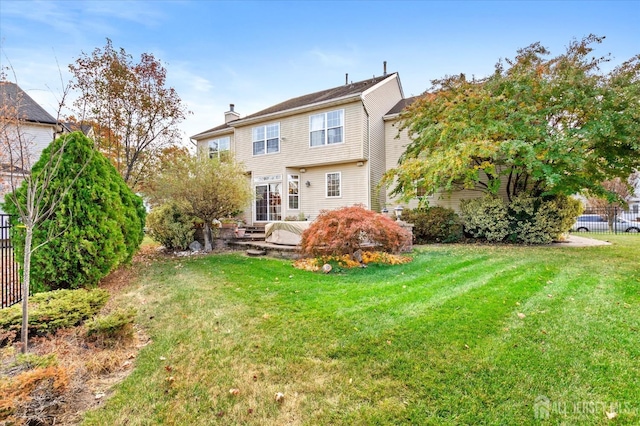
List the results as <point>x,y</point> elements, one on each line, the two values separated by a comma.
<point>348,229</point>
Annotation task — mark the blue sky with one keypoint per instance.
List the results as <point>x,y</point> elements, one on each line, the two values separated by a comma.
<point>256,54</point>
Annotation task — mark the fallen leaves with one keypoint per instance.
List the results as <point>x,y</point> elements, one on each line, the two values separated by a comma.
<point>521,315</point>
<point>346,261</point>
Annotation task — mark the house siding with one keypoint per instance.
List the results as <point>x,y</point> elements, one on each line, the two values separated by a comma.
<point>36,137</point>
<point>40,136</point>
<point>313,199</point>
<point>294,142</point>
<point>378,102</point>
<point>203,144</point>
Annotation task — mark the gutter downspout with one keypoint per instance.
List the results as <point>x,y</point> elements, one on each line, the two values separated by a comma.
<point>368,139</point>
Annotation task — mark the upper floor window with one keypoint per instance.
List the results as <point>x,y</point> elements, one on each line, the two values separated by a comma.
<point>266,139</point>
<point>326,128</point>
<point>334,185</point>
<point>219,148</point>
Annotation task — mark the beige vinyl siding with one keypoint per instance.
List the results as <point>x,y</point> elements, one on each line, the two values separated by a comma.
<point>203,144</point>
<point>378,102</point>
<point>313,199</point>
<point>294,142</point>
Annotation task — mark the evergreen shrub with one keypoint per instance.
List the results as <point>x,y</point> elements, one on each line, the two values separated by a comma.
<point>53,310</point>
<point>96,227</point>
<point>434,225</point>
<point>485,218</point>
<point>114,327</point>
<point>526,220</point>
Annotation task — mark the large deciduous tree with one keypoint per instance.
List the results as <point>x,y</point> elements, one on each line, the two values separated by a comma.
<point>537,125</point>
<point>133,113</point>
<point>209,189</point>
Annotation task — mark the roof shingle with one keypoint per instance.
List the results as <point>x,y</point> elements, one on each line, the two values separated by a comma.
<point>322,96</point>
<point>310,99</point>
<point>28,109</point>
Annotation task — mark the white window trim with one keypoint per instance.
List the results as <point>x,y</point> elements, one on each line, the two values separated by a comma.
<point>265,139</point>
<point>326,184</point>
<point>326,129</point>
<point>228,138</point>
<point>289,179</point>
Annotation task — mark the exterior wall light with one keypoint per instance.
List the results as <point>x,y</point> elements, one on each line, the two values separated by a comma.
<point>398,210</point>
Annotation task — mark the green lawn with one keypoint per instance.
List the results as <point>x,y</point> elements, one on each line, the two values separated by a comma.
<point>462,335</point>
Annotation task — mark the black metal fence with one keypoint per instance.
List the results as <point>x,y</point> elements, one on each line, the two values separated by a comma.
<point>608,220</point>
<point>9,269</point>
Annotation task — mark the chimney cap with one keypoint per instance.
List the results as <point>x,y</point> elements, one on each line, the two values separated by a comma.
<point>231,107</point>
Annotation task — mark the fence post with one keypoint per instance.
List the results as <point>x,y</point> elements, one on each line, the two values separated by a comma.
<point>10,287</point>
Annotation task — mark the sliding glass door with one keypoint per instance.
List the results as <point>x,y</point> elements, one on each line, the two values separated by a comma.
<point>268,202</point>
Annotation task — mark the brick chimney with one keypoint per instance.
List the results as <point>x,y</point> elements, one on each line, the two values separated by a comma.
<point>231,114</point>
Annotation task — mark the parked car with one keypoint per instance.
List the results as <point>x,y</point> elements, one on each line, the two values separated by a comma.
<point>597,223</point>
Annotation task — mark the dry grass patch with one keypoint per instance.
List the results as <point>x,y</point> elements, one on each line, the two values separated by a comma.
<point>82,370</point>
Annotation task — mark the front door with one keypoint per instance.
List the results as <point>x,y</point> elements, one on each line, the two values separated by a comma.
<point>268,202</point>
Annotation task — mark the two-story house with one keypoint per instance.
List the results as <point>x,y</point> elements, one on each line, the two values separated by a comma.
<point>319,151</point>
<point>26,129</point>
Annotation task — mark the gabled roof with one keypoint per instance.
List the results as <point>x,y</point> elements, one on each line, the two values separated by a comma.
<point>28,109</point>
<point>402,104</point>
<point>215,129</point>
<point>322,96</point>
<point>346,90</point>
<point>73,126</point>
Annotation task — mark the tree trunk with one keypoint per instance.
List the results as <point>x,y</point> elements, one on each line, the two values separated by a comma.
<point>207,236</point>
<point>26,277</point>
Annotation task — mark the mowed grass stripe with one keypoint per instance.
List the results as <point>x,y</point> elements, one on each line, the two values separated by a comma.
<point>357,348</point>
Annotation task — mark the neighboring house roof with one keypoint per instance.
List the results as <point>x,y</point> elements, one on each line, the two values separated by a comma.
<point>28,109</point>
<point>402,104</point>
<point>72,127</point>
<point>349,89</point>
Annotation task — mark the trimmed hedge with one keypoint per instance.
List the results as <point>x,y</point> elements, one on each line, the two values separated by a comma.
<point>525,220</point>
<point>434,225</point>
